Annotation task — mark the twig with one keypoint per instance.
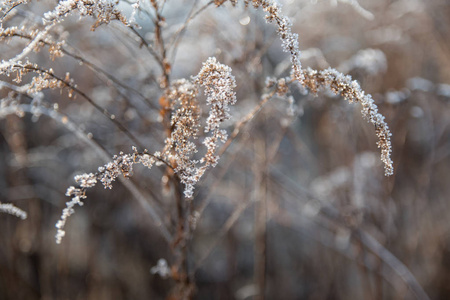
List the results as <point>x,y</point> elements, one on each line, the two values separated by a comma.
<point>95,68</point>
<point>260,168</point>
<point>177,37</point>
<point>393,262</point>
<point>104,111</point>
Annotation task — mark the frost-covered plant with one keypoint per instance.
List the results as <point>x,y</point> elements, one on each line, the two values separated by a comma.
<point>180,147</point>
<point>191,141</point>
<point>181,97</point>
<point>289,40</point>
<point>181,102</point>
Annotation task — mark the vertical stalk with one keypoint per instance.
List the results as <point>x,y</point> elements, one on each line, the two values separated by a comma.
<point>260,219</point>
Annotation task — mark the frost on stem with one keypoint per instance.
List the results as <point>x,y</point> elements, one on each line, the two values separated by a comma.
<point>349,89</point>
<point>218,83</point>
<point>289,40</point>
<point>121,164</point>
<point>180,146</point>
<point>185,122</point>
<point>8,208</point>
<point>103,11</point>
<point>219,86</point>
<point>337,82</point>
<point>76,194</point>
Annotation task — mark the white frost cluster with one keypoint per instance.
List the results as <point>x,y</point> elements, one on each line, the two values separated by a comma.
<point>219,86</point>
<point>161,268</point>
<point>343,85</point>
<point>8,208</point>
<point>121,164</point>
<point>289,40</point>
<point>76,194</point>
<point>104,11</point>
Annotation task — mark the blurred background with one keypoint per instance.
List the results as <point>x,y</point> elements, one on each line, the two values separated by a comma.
<point>298,204</point>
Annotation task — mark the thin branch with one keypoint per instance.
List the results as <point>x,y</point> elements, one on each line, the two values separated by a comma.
<point>178,35</point>
<point>242,205</point>
<point>104,111</point>
<point>95,68</point>
<point>331,214</point>
<point>247,118</point>
<point>10,9</point>
<point>393,262</point>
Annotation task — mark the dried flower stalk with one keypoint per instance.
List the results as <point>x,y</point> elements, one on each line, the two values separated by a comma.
<point>349,89</point>
<point>179,148</point>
